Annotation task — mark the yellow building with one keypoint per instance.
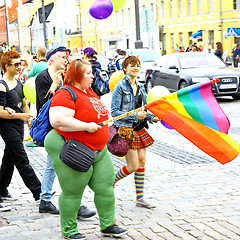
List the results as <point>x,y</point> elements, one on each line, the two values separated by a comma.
<point>168,23</point>
<point>174,22</point>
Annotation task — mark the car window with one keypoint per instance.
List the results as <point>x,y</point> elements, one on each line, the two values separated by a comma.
<point>200,60</point>
<point>172,61</point>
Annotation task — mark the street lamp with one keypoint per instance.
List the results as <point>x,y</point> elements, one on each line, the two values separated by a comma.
<point>138,43</point>
<point>44,24</point>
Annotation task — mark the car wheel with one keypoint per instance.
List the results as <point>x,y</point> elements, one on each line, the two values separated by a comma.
<point>183,85</point>
<point>236,97</point>
<point>149,85</point>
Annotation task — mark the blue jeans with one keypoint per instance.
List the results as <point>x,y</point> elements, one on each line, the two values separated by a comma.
<point>47,182</point>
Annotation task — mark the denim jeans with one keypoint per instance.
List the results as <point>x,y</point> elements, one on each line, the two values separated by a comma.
<point>47,182</point>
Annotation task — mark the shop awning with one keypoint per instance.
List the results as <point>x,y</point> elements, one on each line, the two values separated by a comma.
<point>197,35</point>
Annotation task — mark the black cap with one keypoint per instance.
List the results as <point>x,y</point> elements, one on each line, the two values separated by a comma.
<point>58,48</point>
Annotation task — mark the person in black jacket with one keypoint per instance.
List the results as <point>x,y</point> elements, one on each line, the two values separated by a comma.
<point>219,50</point>
<point>12,129</point>
<point>90,55</point>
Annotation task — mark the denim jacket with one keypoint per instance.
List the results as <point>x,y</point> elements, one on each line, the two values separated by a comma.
<point>123,101</point>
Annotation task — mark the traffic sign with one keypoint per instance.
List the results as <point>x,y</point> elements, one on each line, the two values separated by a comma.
<point>232,31</point>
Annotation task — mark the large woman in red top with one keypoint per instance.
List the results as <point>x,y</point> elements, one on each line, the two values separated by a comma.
<point>79,120</point>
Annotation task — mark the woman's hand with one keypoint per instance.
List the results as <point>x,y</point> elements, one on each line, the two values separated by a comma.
<point>26,116</point>
<point>10,111</point>
<point>156,119</point>
<point>93,127</point>
<point>142,115</point>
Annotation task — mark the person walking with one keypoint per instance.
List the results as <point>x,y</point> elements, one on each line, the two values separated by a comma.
<point>219,51</point>
<point>12,128</point>
<point>236,55</point>
<point>79,121</point>
<point>128,95</point>
<point>40,65</point>
<point>47,83</point>
<point>5,47</point>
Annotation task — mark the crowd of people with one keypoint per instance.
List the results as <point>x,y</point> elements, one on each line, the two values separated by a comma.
<point>71,120</point>
<point>79,120</point>
<point>199,47</point>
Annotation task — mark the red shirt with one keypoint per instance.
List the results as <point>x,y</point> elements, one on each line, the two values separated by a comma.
<point>88,108</point>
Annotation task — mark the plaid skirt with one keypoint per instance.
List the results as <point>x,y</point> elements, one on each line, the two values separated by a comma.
<point>142,140</point>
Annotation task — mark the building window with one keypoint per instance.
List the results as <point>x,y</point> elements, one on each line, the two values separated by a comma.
<point>171,8</point>
<point>199,7</point>
<point>181,39</point>
<point>211,37</point>
<point>163,9</point>
<point>164,46</point>
<point>189,8</point>
<point>210,6</point>
<point>236,4</point>
<point>116,19</point>
<point>190,41</point>
<point>172,40</point>
<point>122,17</point>
<point>129,16</point>
<point>180,8</point>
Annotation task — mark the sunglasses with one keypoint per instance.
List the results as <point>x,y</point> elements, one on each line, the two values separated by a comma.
<point>17,64</point>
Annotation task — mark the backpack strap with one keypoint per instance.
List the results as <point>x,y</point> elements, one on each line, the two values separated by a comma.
<point>71,91</point>
<point>5,84</point>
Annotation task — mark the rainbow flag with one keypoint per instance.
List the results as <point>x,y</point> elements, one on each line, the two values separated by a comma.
<point>195,113</point>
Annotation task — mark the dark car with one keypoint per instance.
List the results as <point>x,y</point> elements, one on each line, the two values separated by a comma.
<point>179,70</point>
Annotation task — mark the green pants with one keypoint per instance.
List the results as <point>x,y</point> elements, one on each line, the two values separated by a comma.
<point>100,178</point>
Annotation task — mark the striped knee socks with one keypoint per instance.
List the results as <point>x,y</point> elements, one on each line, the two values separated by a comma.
<point>139,177</point>
<point>120,174</point>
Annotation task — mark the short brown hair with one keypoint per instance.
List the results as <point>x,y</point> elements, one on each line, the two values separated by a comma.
<point>42,51</point>
<point>7,58</point>
<point>75,71</point>
<point>130,60</point>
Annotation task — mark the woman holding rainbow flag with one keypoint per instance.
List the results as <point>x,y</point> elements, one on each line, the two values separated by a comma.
<point>128,95</point>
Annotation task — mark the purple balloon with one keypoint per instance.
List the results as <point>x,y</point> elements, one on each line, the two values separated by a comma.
<point>101,9</point>
<point>166,125</point>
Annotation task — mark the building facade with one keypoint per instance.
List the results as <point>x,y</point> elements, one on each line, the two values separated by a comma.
<point>163,24</point>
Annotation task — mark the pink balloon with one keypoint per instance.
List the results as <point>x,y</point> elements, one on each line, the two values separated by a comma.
<point>166,125</point>
<point>101,9</point>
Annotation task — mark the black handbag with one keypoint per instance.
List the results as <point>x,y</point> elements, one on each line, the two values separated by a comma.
<point>77,156</point>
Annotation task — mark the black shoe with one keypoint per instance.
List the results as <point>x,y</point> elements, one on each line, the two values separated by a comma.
<point>84,212</point>
<point>114,231</point>
<point>5,195</point>
<point>76,236</point>
<point>4,207</point>
<point>47,207</point>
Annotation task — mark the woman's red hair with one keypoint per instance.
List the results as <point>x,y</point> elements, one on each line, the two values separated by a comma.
<point>76,71</point>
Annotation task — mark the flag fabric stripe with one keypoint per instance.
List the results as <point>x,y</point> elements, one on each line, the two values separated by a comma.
<point>216,144</point>
<point>190,106</point>
<point>223,123</point>
<point>198,102</point>
<point>203,108</point>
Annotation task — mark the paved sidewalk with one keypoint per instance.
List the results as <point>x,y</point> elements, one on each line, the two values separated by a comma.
<point>196,197</point>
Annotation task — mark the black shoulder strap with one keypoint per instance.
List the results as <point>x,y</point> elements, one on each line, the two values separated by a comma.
<point>5,84</point>
<point>71,91</point>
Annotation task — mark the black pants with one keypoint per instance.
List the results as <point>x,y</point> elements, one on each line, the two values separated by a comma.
<point>15,155</point>
<point>235,62</point>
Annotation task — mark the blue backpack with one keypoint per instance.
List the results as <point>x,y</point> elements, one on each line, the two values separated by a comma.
<point>101,82</point>
<point>41,125</point>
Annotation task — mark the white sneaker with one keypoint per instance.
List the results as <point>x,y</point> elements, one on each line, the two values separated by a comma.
<point>144,203</point>
<point>4,207</point>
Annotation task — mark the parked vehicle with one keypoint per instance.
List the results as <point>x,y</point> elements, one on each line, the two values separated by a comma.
<point>179,70</point>
<point>147,58</point>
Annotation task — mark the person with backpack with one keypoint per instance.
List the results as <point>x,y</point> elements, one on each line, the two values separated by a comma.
<point>12,129</point>
<point>100,83</point>
<point>79,121</point>
<point>47,83</point>
<point>119,59</point>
